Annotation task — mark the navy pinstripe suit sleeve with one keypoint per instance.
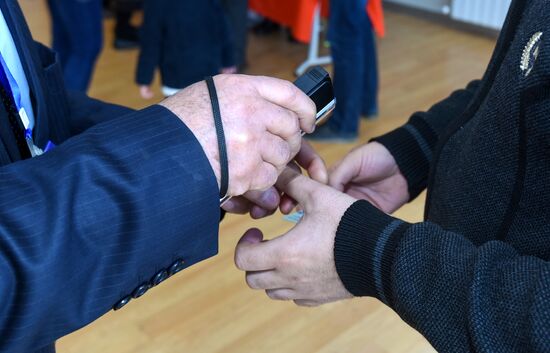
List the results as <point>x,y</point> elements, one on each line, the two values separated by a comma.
<point>85,224</point>
<point>85,112</point>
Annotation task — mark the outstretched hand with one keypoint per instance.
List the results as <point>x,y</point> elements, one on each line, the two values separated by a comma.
<point>298,265</point>
<point>370,172</point>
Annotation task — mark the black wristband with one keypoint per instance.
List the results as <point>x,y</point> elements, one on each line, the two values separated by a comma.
<point>224,163</point>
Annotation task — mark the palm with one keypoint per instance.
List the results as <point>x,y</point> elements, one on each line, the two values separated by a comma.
<point>375,177</point>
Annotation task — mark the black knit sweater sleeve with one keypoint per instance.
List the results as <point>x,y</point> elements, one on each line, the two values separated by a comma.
<point>461,297</point>
<point>413,144</point>
<point>151,34</point>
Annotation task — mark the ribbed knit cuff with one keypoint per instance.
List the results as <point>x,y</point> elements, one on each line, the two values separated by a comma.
<point>412,146</point>
<point>364,250</point>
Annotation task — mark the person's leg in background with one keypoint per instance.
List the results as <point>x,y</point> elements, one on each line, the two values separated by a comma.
<point>237,15</point>
<point>61,42</point>
<point>79,22</point>
<point>369,109</point>
<point>126,35</point>
<point>348,26</point>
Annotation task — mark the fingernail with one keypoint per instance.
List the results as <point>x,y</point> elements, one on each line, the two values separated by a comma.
<point>258,212</point>
<point>229,204</point>
<point>269,197</point>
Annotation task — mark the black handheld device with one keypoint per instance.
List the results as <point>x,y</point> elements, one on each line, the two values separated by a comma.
<point>316,83</point>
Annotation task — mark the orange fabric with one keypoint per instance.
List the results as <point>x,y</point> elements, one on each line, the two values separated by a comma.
<point>298,15</point>
<point>376,15</point>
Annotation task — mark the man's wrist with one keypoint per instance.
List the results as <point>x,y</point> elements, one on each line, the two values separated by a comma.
<point>364,250</point>
<point>412,148</point>
<point>198,118</point>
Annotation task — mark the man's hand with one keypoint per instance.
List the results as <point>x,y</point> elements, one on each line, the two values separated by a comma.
<point>370,172</point>
<point>229,70</point>
<point>262,118</point>
<point>298,265</point>
<point>146,92</point>
<point>261,204</point>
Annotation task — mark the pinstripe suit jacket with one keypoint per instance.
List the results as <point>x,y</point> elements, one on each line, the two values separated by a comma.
<point>125,200</point>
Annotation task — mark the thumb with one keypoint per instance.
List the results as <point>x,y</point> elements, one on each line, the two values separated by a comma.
<point>310,160</point>
<point>252,236</point>
<point>253,254</point>
<point>297,186</point>
<point>344,172</point>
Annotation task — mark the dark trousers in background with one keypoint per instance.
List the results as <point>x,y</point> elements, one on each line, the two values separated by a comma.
<point>77,38</point>
<point>124,10</point>
<point>353,50</point>
<point>237,16</point>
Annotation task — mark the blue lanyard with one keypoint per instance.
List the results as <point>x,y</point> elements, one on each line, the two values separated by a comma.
<point>12,88</point>
<point>9,83</point>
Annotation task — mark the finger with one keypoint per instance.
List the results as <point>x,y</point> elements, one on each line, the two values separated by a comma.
<point>267,200</point>
<point>281,294</point>
<point>237,205</point>
<point>281,122</point>
<point>344,172</point>
<point>297,186</point>
<point>252,254</point>
<point>310,160</point>
<point>276,151</point>
<point>306,303</point>
<point>263,280</point>
<point>287,204</point>
<point>260,204</point>
<point>287,95</point>
<point>258,213</point>
<point>265,178</point>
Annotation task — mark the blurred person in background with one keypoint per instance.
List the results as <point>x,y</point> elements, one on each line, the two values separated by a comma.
<point>353,49</point>
<point>237,16</point>
<point>126,34</point>
<point>186,40</point>
<point>77,32</point>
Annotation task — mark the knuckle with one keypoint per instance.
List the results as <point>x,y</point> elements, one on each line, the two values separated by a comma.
<point>285,153</point>
<point>306,303</point>
<point>241,261</point>
<point>237,173</point>
<point>278,295</point>
<point>290,91</point>
<point>312,108</point>
<point>252,282</point>
<point>272,175</point>
<point>289,122</point>
<point>295,124</point>
<point>267,177</point>
<point>296,143</point>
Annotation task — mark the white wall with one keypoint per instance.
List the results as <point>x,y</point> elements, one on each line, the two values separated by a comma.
<point>485,13</point>
<point>430,5</point>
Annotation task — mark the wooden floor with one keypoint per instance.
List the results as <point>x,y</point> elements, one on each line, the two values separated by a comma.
<point>209,308</point>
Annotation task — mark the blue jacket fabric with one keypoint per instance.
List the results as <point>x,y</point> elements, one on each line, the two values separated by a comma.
<point>125,200</point>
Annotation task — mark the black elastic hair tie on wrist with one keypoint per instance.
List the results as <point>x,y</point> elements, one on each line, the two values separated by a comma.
<point>224,163</point>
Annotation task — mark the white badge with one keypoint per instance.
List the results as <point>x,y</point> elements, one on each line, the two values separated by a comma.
<point>24,118</point>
